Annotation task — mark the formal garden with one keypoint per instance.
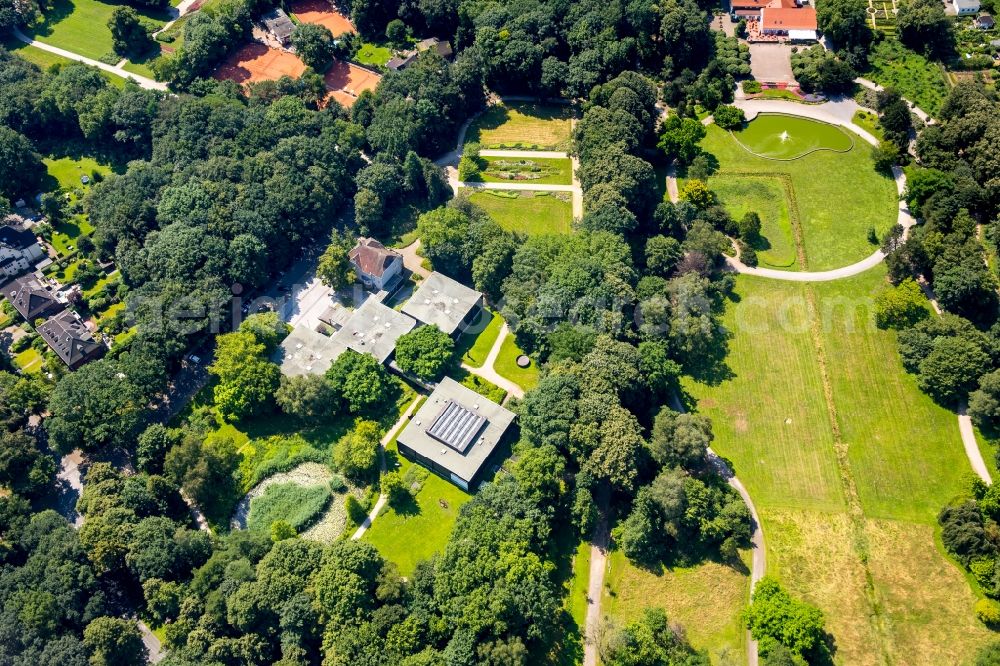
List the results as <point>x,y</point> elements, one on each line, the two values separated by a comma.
<point>833,192</point>
<point>530,213</point>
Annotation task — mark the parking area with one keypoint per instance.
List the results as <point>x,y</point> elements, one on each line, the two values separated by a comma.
<point>771,63</point>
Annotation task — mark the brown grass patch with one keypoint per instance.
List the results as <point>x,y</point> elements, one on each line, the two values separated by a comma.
<point>706,599</point>
<point>927,599</point>
<point>322,13</point>
<point>255,62</point>
<point>810,553</point>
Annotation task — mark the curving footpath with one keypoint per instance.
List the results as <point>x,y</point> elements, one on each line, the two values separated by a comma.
<point>838,113</point>
<point>142,81</point>
<point>489,373</point>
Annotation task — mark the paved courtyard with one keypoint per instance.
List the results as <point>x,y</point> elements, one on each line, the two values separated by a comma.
<point>771,63</point>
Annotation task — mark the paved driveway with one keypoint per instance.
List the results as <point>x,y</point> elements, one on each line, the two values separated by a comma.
<point>771,63</point>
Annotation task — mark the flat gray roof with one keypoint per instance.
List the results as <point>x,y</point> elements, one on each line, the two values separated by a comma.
<point>439,409</point>
<point>442,301</point>
<point>373,329</point>
<point>307,352</point>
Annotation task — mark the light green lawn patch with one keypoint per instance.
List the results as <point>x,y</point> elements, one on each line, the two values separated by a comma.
<point>474,347</point>
<point>522,125</point>
<point>100,284</point>
<point>778,93</point>
<point>415,532</point>
<point>29,360</point>
<point>914,76</point>
<point>783,137</point>
<point>277,443</point>
<point>295,504</point>
<point>868,121</point>
<point>44,59</point>
<point>774,419</point>
<point>141,66</point>
<point>839,196</point>
<point>373,55</point>
<point>706,600</point>
<point>531,213</point>
<point>81,26</point>
<point>540,171</point>
<point>506,365</point>
<point>989,446</point>
<point>66,170</point>
<point>64,174</point>
<point>578,586</point>
<point>906,453</point>
<point>766,197</point>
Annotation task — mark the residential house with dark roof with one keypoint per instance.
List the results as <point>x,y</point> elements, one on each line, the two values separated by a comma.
<point>985,22</point>
<point>19,250</point>
<point>377,266</point>
<point>279,25</point>
<point>444,302</point>
<point>32,298</point>
<point>69,338</point>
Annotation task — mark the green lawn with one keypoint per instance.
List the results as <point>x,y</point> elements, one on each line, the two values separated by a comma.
<point>81,26</point>
<point>838,196</point>
<point>420,529</point>
<point>474,347</point>
<point>706,600</point>
<point>522,125</point>
<point>506,365</point>
<point>373,55</point>
<point>540,171</point>
<point>868,121</point>
<point>530,213</point>
<point>29,360</point>
<point>784,137</point>
<point>64,173</point>
<point>811,376</point>
<point>577,586</point>
<point>914,76</point>
<point>766,197</point>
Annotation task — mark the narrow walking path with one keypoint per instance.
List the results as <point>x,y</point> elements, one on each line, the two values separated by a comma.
<point>412,261</point>
<point>595,586</point>
<point>154,649</point>
<point>839,113</point>
<point>965,428</point>
<point>142,81</point>
<point>382,499</point>
<point>489,373</point>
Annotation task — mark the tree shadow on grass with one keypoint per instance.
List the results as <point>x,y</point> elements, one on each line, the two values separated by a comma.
<point>406,505</point>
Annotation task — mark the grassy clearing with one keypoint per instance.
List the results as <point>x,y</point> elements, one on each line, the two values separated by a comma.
<point>373,55</point>
<point>81,26</point>
<point>506,365</point>
<point>529,126</point>
<point>868,121</point>
<point>706,599</point>
<point>29,361</point>
<point>44,59</point>
<point>277,443</point>
<point>784,137</point>
<point>540,171</point>
<point>577,586</point>
<point>531,213</point>
<point>904,457</point>
<point>839,196</point>
<point>766,197</point>
<point>914,76</point>
<point>810,552</point>
<point>906,454</point>
<point>295,504</point>
<point>408,534</point>
<point>474,347</point>
<point>927,601</point>
<point>64,173</point>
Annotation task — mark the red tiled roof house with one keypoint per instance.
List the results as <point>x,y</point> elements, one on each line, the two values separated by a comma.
<point>376,265</point>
